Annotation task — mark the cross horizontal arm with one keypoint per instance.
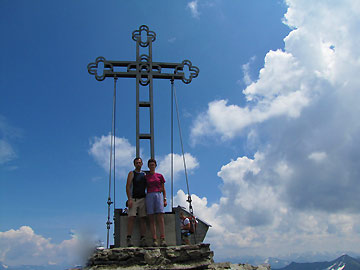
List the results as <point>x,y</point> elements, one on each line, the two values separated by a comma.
<point>144,68</point>
<point>127,63</point>
<point>133,74</point>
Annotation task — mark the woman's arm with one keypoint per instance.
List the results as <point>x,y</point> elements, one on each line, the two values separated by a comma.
<point>164,194</point>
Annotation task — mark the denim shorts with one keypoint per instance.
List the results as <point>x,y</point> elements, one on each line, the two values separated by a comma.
<point>154,203</point>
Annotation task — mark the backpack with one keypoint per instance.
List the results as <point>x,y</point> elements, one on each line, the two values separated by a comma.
<point>193,224</point>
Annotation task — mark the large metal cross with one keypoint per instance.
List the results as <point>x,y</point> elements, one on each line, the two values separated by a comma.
<point>144,70</point>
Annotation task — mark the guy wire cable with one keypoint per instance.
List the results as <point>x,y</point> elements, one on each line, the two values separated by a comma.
<point>115,81</point>
<point>109,202</point>
<point>172,144</point>
<point>183,155</point>
<point>189,200</point>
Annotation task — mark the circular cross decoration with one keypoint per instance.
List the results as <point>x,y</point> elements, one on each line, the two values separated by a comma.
<point>194,71</point>
<point>93,68</point>
<point>136,35</point>
<point>144,69</point>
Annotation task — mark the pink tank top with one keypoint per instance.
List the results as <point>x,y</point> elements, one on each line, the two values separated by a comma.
<point>154,182</point>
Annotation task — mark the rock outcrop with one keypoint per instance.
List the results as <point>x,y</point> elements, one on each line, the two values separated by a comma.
<point>175,257</point>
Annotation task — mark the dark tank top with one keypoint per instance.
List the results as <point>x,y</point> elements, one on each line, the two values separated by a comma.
<point>138,185</point>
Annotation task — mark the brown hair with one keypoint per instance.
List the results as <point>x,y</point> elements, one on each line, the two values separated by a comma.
<point>135,159</point>
<point>152,160</point>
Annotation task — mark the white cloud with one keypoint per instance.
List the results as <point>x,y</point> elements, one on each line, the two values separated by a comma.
<point>172,40</point>
<point>193,6</point>
<point>280,91</point>
<point>201,208</point>
<point>246,70</point>
<point>281,75</point>
<point>317,156</point>
<point>7,133</point>
<point>7,153</point>
<point>242,165</point>
<point>253,217</point>
<point>229,121</point>
<point>165,165</point>
<point>24,247</point>
<point>293,197</point>
<point>316,62</point>
<point>124,151</point>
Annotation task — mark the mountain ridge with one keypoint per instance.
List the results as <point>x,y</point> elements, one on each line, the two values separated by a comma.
<point>344,262</point>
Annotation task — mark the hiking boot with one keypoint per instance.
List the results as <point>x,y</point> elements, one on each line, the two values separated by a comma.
<point>143,242</point>
<point>129,242</point>
<point>162,242</point>
<point>155,243</point>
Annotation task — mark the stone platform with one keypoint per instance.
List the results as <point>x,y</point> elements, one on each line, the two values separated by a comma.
<point>174,257</point>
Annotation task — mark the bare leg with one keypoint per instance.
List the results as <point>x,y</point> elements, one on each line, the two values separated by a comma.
<point>160,220</point>
<point>130,225</point>
<point>142,226</point>
<point>152,226</point>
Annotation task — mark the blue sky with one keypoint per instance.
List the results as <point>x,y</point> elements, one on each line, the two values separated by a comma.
<point>270,125</point>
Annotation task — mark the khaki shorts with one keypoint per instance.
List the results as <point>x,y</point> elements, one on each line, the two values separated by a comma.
<point>138,207</point>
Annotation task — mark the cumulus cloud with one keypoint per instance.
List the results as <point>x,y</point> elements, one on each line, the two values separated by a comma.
<point>317,156</point>
<point>165,165</point>
<point>299,191</point>
<point>124,152</point>
<point>246,70</point>
<point>279,91</point>
<point>253,217</point>
<point>24,247</point>
<point>305,99</point>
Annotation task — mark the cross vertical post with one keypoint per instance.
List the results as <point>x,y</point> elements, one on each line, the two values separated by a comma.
<point>146,65</point>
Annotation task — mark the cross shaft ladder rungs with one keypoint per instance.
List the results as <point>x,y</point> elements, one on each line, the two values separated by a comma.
<point>144,104</point>
<point>145,136</point>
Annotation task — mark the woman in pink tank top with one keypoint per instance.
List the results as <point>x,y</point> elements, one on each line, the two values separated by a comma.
<point>155,202</point>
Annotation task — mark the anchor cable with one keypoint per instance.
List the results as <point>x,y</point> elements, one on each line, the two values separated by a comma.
<point>112,144</point>
<point>114,124</point>
<point>183,154</point>
<point>172,144</point>
<point>189,200</point>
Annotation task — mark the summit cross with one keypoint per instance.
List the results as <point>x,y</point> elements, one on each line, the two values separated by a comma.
<point>144,70</point>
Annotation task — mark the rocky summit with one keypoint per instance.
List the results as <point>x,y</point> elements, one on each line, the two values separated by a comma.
<point>174,257</point>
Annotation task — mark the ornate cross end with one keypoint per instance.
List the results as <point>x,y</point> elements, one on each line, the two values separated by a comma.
<point>193,71</point>
<point>100,68</point>
<point>136,36</point>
